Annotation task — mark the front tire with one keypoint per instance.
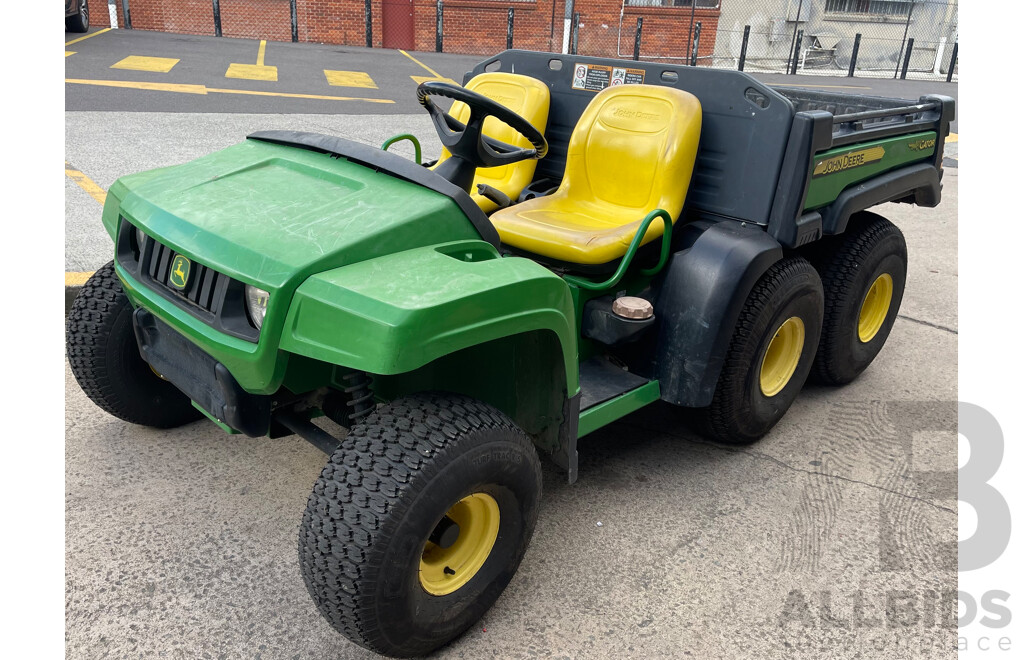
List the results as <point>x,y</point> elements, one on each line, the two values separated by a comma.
<point>376,547</point>
<point>105,359</point>
<point>769,356</point>
<point>864,272</point>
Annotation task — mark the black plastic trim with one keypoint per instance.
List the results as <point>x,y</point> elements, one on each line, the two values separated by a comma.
<point>811,133</point>
<point>200,377</point>
<point>566,456</point>
<point>388,163</point>
<point>920,180</point>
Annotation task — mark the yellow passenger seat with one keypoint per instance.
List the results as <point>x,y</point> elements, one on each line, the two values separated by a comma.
<point>528,98</point>
<point>631,152</point>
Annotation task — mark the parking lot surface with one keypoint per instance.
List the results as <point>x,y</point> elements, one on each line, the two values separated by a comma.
<point>833,537</point>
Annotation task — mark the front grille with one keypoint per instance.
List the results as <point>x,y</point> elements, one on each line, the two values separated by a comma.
<point>202,284</point>
<point>213,297</point>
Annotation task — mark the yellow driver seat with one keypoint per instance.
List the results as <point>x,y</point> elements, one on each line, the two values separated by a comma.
<point>631,152</point>
<point>527,97</point>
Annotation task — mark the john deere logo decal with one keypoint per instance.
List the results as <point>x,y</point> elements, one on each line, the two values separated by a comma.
<point>180,268</point>
<point>848,161</point>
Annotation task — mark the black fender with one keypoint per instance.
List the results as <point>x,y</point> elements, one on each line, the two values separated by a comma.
<point>699,297</point>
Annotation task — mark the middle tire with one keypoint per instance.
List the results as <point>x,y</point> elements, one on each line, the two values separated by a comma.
<point>770,354</point>
<point>419,521</point>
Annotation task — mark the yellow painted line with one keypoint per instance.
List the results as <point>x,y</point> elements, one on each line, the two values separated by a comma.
<point>349,79</point>
<point>69,53</point>
<point>88,36</point>
<point>437,76</point>
<point>251,72</point>
<point>203,89</point>
<point>819,86</point>
<point>85,183</point>
<point>258,71</point>
<point>142,63</point>
<point>129,84</point>
<point>252,92</point>
<point>952,137</point>
<point>76,279</point>
<point>420,79</point>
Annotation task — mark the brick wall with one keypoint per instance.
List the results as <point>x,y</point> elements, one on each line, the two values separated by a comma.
<point>470,26</point>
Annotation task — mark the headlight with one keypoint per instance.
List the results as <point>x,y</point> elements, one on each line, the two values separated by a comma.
<point>140,237</point>
<point>256,300</point>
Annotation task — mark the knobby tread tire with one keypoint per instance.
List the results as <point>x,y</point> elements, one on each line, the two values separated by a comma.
<point>367,487</point>
<point>730,418</point>
<point>839,262</point>
<point>104,357</point>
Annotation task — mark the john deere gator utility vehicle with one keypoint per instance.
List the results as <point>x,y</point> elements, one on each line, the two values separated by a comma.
<point>597,235</point>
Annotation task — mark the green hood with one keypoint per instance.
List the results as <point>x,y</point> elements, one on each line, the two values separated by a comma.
<point>273,215</point>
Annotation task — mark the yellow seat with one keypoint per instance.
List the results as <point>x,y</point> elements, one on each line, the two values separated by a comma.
<point>528,98</point>
<point>631,152</point>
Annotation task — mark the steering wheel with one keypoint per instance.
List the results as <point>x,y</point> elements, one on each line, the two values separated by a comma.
<point>468,145</point>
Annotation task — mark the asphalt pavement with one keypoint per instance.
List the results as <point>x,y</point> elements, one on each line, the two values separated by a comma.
<point>833,537</point>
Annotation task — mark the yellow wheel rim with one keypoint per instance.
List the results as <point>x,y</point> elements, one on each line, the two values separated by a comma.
<point>444,570</point>
<point>782,357</point>
<point>875,308</point>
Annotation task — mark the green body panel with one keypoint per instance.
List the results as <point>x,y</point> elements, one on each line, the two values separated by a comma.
<point>396,313</point>
<point>861,164</point>
<point>605,413</point>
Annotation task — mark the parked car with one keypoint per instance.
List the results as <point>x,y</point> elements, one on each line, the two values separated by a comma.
<point>76,15</point>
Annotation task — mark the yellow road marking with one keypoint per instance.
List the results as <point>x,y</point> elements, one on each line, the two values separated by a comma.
<point>349,79</point>
<point>85,183</point>
<point>419,79</point>
<point>819,86</point>
<point>76,279</point>
<point>258,71</point>
<point>157,87</point>
<point>203,89</point>
<point>69,53</point>
<point>88,36</point>
<point>141,63</point>
<point>952,137</point>
<point>436,75</point>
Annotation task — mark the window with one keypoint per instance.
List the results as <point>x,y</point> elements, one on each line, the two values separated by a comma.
<point>700,4</point>
<point>872,7</point>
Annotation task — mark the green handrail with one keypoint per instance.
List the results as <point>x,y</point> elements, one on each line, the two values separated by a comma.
<point>405,136</point>
<point>666,243</point>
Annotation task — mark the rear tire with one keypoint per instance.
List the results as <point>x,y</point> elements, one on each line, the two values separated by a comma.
<point>870,258</point>
<point>769,356</point>
<point>80,21</point>
<point>106,362</point>
<point>363,544</point>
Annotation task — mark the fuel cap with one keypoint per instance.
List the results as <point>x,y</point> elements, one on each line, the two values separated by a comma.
<point>631,307</point>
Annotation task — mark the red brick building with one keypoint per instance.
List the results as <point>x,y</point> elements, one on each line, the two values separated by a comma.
<point>606,27</point>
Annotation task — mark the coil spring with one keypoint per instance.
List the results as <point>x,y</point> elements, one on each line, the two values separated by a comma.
<point>358,395</point>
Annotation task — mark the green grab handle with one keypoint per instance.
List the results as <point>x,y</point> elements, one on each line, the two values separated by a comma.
<point>405,136</point>
<point>666,244</point>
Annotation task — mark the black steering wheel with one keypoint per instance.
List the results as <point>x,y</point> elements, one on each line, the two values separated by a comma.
<point>469,147</point>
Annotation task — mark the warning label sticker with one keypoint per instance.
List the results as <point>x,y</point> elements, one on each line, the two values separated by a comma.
<point>595,77</point>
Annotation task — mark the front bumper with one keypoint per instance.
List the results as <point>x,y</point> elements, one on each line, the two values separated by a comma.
<point>200,377</point>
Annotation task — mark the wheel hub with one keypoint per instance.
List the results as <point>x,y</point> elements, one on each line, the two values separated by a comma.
<point>460,544</point>
<point>875,308</point>
<point>782,356</point>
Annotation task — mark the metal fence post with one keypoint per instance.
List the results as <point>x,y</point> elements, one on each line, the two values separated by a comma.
<point>368,9</point>
<point>796,25</point>
<point>636,39</point>
<point>952,62</point>
<point>906,58</point>
<point>575,38</point>
<point>853,55</point>
<point>689,34</point>
<point>295,21</point>
<point>796,51</point>
<point>511,23</point>
<point>127,14</point>
<point>906,29</point>
<point>743,48</point>
<point>216,19</point>
<point>439,40</point>
<point>696,44</point>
